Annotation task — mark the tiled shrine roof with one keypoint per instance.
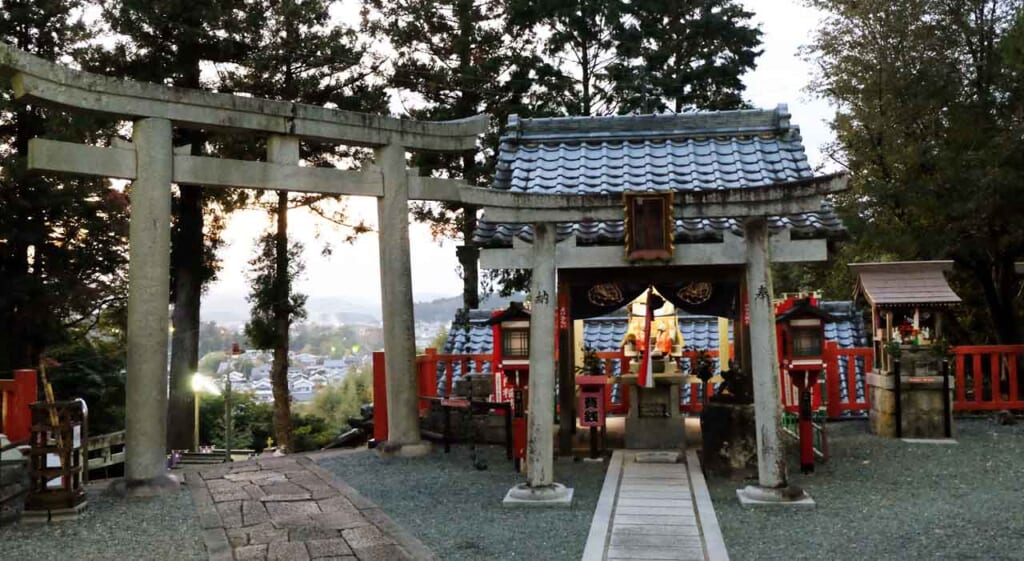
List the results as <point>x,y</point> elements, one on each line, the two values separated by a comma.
<point>655,153</point>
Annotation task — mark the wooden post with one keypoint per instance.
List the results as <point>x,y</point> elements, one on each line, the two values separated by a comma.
<point>566,377</point>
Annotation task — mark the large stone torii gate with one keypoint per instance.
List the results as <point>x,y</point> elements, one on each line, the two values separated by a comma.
<point>152,163</point>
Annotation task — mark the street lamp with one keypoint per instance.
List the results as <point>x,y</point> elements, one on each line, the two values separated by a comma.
<point>201,384</point>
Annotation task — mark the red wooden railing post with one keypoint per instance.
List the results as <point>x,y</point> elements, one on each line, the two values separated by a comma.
<point>18,394</point>
<point>978,375</point>
<point>833,407</point>
<point>1014,383</point>
<point>961,379</point>
<point>426,368</point>
<point>995,370</point>
<point>380,398</point>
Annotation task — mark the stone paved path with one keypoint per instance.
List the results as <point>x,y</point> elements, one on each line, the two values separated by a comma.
<point>290,509</point>
<point>650,511</point>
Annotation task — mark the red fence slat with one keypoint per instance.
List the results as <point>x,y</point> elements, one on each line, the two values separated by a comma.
<point>978,375</point>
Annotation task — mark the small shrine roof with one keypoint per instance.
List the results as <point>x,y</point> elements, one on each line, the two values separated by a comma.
<point>905,283</point>
<point>701,151</point>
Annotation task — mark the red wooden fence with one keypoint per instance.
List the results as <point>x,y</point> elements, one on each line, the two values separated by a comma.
<point>427,366</point>
<point>987,377</point>
<point>835,405</point>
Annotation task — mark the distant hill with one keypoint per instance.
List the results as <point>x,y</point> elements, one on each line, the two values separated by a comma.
<point>231,310</point>
<point>443,309</point>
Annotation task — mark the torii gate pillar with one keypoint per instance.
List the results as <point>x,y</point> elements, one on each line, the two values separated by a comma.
<point>772,486</point>
<point>540,488</point>
<point>149,259</point>
<point>397,305</point>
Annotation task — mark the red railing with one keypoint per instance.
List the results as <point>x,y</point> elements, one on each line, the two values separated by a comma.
<point>427,366</point>
<point>985,378</point>
<point>15,396</point>
<point>835,405</point>
<point>988,377</point>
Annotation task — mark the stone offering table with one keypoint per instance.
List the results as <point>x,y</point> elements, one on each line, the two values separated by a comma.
<point>921,405</point>
<point>654,421</point>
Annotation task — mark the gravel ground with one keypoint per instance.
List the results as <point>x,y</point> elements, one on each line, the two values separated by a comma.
<point>161,528</point>
<point>879,498</point>
<point>455,510</point>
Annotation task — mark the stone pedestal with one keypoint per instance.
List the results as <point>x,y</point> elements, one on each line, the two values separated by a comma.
<point>14,484</point>
<point>654,421</point>
<point>729,436</point>
<point>921,401</point>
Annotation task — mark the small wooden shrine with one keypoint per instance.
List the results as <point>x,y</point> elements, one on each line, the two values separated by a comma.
<point>910,394</point>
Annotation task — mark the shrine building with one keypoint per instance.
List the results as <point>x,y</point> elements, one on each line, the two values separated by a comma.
<point>687,209</point>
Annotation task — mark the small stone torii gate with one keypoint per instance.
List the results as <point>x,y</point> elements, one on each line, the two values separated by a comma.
<point>152,163</point>
<point>752,206</point>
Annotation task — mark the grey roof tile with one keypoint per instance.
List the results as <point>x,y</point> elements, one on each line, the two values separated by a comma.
<point>823,223</point>
<point>688,152</point>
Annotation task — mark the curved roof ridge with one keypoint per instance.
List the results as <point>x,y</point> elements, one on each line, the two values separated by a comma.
<point>636,127</point>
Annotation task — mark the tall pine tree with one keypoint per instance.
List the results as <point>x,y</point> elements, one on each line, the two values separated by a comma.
<point>297,55</point>
<point>929,123</point>
<point>62,240</point>
<point>682,55</point>
<point>168,42</point>
<point>580,41</point>
<point>457,59</point>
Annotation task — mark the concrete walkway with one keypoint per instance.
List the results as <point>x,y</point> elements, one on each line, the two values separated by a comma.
<point>654,511</point>
<point>290,509</point>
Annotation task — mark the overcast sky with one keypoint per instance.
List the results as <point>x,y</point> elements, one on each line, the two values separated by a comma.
<point>353,271</point>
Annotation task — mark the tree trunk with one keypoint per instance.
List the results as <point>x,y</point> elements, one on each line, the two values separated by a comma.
<point>188,289</point>
<point>466,106</point>
<point>469,253</point>
<point>187,250</point>
<point>282,321</point>
<point>998,284</point>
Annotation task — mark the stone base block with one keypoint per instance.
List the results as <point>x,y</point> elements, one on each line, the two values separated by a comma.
<point>920,404</point>
<point>659,457</point>
<point>654,433</point>
<point>390,449</point>
<point>159,485</point>
<point>53,515</point>
<point>755,496</point>
<point>555,495</point>
<point>929,440</point>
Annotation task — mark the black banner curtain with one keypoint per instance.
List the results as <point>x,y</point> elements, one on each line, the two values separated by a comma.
<point>693,297</point>
<point>589,301</point>
<point>703,298</point>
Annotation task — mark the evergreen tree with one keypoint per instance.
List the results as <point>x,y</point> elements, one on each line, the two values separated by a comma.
<point>460,58</point>
<point>581,39</point>
<point>274,307</point>
<point>929,123</point>
<point>167,42</point>
<point>682,55</point>
<point>62,240</point>
<point>298,55</point>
